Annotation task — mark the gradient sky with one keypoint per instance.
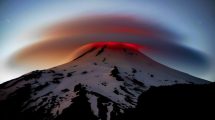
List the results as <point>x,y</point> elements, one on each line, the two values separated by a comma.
<point>23,22</point>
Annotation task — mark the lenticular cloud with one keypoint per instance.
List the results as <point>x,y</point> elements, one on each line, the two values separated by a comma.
<point>58,41</point>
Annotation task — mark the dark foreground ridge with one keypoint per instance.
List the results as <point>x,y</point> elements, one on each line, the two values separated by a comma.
<point>180,101</point>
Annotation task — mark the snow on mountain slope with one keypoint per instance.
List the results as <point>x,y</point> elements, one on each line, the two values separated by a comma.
<point>106,77</point>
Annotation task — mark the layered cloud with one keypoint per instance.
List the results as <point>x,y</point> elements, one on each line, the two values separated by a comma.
<point>60,40</point>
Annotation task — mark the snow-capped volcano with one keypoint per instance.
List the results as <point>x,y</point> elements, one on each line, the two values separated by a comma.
<point>101,81</point>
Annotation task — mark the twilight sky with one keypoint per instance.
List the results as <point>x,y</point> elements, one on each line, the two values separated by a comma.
<point>38,34</point>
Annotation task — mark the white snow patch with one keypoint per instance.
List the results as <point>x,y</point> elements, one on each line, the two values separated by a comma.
<point>110,109</point>
<point>93,102</point>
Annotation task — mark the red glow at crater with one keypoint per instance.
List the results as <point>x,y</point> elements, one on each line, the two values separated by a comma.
<point>118,45</point>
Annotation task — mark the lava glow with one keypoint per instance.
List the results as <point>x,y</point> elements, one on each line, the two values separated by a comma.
<point>117,45</point>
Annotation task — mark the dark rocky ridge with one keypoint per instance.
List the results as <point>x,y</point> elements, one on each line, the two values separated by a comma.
<point>178,101</point>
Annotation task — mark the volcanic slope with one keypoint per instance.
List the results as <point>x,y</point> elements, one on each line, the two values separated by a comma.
<point>101,81</point>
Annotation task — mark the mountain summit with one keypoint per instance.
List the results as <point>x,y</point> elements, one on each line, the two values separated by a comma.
<point>100,82</point>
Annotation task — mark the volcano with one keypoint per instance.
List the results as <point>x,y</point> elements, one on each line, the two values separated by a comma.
<point>100,81</point>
